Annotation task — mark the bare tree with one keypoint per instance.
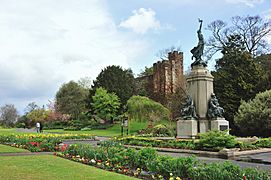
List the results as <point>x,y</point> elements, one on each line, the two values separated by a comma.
<point>8,115</point>
<point>31,107</point>
<point>163,53</point>
<point>252,31</point>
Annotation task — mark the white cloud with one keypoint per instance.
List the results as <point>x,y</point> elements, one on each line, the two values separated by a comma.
<point>46,43</point>
<point>141,21</point>
<point>250,3</point>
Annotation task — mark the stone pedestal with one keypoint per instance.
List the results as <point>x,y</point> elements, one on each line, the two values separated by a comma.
<point>187,129</point>
<point>200,87</point>
<point>219,124</point>
<point>204,126</point>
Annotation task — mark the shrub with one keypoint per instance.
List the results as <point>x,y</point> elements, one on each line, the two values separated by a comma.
<point>266,143</point>
<point>246,146</point>
<point>159,130</point>
<point>55,124</point>
<point>144,109</point>
<point>252,115</point>
<point>216,140</point>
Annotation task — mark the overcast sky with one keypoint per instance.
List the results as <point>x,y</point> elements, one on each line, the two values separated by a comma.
<point>45,43</point>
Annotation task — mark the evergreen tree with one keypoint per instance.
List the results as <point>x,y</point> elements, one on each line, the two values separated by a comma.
<point>237,77</point>
<point>254,117</point>
<point>71,99</point>
<point>115,79</point>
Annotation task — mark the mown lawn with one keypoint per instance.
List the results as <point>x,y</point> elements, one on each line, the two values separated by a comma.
<point>6,131</point>
<point>9,149</point>
<point>112,131</point>
<point>50,167</point>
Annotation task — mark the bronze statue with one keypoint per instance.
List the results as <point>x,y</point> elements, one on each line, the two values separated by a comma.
<point>214,110</point>
<point>188,111</point>
<point>198,50</point>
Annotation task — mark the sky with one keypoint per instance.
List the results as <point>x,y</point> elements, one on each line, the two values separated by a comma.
<point>45,43</point>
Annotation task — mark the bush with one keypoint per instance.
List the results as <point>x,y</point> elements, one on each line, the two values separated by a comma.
<point>55,125</point>
<point>72,128</point>
<point>144,109</point>
<point>216,140</point>
<point>20,125</point>
<point>265,143</point>
<point>252,115</point>
<point>159,130</point>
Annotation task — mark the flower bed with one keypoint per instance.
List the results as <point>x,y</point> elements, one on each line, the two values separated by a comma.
<point>211,141</point>
<point>40,142</point>
<point>147,164</point>
<point>150,142</point>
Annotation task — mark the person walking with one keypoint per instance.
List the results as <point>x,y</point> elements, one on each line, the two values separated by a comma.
<point>38,127</point>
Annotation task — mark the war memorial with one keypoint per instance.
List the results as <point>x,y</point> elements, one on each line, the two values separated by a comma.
<point>201,112</point>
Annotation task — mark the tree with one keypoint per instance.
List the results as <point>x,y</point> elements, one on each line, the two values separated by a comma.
<point>163,53</point>
<point>237,77</point>
<point>264,61</point>
<point>71,99</point>
<point>37,115</point>
<point>105,105</point>
<point>30,107</point>
<point>85,82</point>
<point>117,80</point>
<point>8,115</point>
<point>254,117</point>
<point>252,31</point>
<point>144,109</point>
<point>146,72</point>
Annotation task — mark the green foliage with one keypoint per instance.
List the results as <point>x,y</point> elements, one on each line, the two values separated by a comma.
<point>71,99</point>
<point>216,140</point>
<point>105,105</point>
<point>55,124</point>
<point>37,115</point>
<point>265,142</point>
<point>159,130</point>
<point>146,72</point>
<point>264,61</point>
<point>150,142</point>
<point>116,80</point>
<point>246,146</point>
<point>113,157</point>
<point>236,77</point>
<point>144,109</point>
<point>252,115</point>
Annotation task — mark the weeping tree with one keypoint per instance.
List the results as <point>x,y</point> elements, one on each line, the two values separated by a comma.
<point>143,109</point>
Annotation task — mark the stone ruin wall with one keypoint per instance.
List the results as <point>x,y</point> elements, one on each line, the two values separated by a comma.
<point>166,78</point>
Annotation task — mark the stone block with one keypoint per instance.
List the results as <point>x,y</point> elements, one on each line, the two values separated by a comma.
<point>219,124</point>
<point>187,128</point>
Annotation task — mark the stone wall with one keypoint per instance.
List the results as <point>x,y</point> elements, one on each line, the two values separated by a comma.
<point>166,78</point>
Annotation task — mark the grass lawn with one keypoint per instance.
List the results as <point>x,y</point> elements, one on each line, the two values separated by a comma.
<point>112,131</point>
<point>50,167</point>
<point>6,131</point>
<point>9,149</point>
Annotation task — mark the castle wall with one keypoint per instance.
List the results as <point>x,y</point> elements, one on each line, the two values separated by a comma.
<point>167,76</point>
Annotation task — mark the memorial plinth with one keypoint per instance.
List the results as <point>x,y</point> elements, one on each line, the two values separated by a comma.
<point>219,124</point>
<point>187,129</point>
<point>200,87</point>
